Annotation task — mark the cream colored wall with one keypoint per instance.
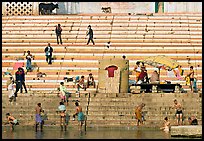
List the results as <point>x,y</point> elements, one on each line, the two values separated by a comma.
<point>119,7</point>
<point>171,7</point>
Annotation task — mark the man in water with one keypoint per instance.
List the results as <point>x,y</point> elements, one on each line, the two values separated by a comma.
<point>166,126</point>
<point>12,121</point>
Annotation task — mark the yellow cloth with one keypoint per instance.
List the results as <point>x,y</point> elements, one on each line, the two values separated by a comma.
<point>138,114</point>
<point>180,71</point>
<point>137,75</point>
<point>187,80</point>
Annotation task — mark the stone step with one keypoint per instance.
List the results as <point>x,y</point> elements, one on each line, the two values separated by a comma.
<point>121,115</point>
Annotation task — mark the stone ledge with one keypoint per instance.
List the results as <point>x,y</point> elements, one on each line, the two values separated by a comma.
<point>188,131</point>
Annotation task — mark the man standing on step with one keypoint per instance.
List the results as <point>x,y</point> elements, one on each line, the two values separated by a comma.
<point>10,88</point>
<point>18,79</point>
<point>179,113</point>
<point>138,113</point>
<point>90,33</point>
<point>80,115</point>
<point>62,110</point>
<point>22,79</point>
<point>38,118</point>
<point>64,93</point>
<point>48,54</point>
<point>58,31</point>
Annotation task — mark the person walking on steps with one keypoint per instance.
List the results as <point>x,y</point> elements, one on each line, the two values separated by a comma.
<point>90,34</point>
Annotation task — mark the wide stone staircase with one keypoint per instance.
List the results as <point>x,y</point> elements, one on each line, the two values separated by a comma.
<point>178,36</point>
<point>105,110</point>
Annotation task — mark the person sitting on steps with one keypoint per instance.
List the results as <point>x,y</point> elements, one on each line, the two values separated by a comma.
<point>81,84</point>
<point>90,81</point>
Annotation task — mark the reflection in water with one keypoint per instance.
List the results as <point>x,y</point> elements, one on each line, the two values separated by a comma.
<point>91,133</point>
<point>9,134</point>
<point>64,134</point>
<point>39,135</point>
<point>166,135</point>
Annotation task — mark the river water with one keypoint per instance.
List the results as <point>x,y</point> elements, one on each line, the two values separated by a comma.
<point>90,133</point>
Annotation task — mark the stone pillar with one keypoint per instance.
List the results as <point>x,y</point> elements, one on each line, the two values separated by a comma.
<point>160,7</point>
<point>69,7</point>
<point>116,84</point>
<point>3,8</point>
<point>35,8</point>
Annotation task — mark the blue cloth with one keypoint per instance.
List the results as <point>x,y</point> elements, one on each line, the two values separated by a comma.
<point>67,118</point>
<point>77,78</point>
<point>194,84</point>
<point>7,73</point>
<point>132,82</point>
<point>38,118</point>
<point>67,94</point>
<point>62,108</point>
<point>80,116</point>
<point>28,64</point>
<point>15,121</point>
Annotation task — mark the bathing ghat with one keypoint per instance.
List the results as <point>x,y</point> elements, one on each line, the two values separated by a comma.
<point>109,109</point>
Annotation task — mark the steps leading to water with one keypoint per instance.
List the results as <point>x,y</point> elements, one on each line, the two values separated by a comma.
<point>106,110</point>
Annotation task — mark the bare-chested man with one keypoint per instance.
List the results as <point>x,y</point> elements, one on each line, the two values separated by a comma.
<point>38,118</point>
<point>179,113</point>
<point>79,114</point>
<point>191,75</point>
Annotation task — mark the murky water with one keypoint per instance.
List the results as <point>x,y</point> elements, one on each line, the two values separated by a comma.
<point>90,133</point>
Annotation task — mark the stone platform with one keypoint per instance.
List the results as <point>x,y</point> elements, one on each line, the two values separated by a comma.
<point>187,130</point>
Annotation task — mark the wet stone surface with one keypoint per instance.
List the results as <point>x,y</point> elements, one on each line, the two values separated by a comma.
<point>90,133</point>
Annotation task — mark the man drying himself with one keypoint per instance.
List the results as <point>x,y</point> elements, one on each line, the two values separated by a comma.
<point>38,118</point>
